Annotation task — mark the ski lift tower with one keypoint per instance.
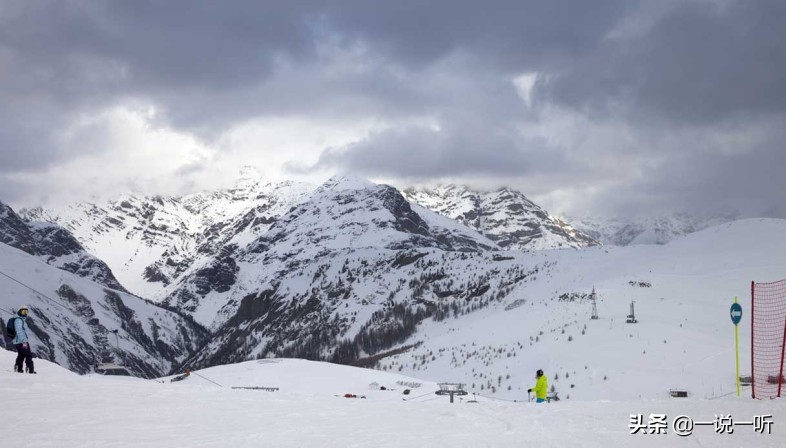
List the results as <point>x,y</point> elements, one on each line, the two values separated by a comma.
<point>632,315</point>
<point>594,298</point>
<point>118,355</point>
<point>451,389</point>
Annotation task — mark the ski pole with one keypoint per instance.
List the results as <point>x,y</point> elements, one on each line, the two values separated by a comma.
<point>529,397</point>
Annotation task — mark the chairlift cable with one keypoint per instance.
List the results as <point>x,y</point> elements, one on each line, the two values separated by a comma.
<point>498,399</point>
<point>207,379</point>
<point>419,396</point>
<point>34,290</point>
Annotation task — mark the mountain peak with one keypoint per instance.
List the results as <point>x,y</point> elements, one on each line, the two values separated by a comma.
<point>347,182</point>
<point>249,176</point>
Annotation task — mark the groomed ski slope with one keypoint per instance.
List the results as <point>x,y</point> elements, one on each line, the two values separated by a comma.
<point>57,408</point>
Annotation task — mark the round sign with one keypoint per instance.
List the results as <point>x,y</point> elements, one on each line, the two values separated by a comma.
<point>736,313</point>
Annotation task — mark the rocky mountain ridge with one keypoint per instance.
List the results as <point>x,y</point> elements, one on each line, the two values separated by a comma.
<point>54,245</point>
<point>150,242</point>
<point>505,216</point>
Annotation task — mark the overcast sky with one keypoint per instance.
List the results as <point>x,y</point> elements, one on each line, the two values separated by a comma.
<point>602,107</point>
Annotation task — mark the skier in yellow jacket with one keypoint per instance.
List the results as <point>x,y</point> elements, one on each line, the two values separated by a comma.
<point>541,387</point>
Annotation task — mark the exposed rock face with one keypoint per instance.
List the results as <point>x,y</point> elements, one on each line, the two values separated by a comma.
<point>14,231</point>
<point>404,219</point>
<point>217,276</point>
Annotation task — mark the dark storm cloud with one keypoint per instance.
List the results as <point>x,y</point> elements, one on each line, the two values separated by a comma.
<point>463,147</point>
<point>510,34</point>
<point>748,183</point>
<point>206,64</point>
<point>80,56</point>
<point>646,68</point>
<point>700,63</point>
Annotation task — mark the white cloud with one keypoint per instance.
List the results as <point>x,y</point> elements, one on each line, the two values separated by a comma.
<point>524,84</point>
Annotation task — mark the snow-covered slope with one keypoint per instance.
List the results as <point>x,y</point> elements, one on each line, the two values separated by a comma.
<point>684,339</point>
<point>505,216</point>
<point>72,319</point>
<point>52,371</point>
<point>491,319</point>
<point>56,408</point>
<point>54,245</point>
<point>644,230</point>
<point>150,242</point>
<point>302,377</point>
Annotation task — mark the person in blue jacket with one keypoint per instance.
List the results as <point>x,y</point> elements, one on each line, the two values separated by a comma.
<point>21,342</point>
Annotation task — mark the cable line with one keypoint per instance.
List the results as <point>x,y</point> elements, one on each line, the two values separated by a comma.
<point>419,396</point>
<point>207,379</point>
<point>34,290</point>
<point>499,399</point>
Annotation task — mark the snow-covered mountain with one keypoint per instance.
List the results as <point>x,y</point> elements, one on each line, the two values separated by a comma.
<point>55,246</point>
<point>73,320</point>
<point>623,231</point>
<point>150,242</point>
<point>505,216</point>
<point>354,258</point>
<point>256,263</point>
